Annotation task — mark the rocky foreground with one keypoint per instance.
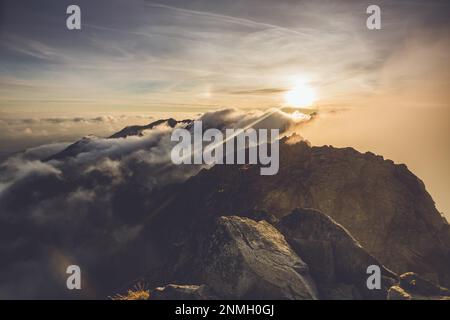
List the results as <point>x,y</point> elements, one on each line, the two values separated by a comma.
<point>248,259</point>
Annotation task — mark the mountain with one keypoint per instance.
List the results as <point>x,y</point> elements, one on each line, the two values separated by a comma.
<point>138,130</point>
<point>82,145</point>
<point>308,232</point>
<point>381,205</point>
<point>74,149</point>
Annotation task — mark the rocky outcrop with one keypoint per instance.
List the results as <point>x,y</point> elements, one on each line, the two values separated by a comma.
<point>338,263</point>
<point>235,258</point>
<point>307,256</point>
<point>414,287</point>
<point>246,259</point>
<point>382,205</point>
<point>398,293</point>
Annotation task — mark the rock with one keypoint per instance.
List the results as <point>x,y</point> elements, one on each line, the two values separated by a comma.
<point>414,283</point>
<point>182,292</point>
<point>414,287</point>
<point>337,262</point>
<point>397,293</point>
<point>252,260</point>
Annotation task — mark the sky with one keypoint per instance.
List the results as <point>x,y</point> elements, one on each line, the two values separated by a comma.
<point>385,90</point>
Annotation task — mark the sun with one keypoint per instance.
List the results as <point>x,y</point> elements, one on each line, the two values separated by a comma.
<point>300,96</point>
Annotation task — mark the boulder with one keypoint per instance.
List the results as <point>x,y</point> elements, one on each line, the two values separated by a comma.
<point>417,288</point>
<point>246,259</point>
<point>398,293</point>
<point>337,262</point>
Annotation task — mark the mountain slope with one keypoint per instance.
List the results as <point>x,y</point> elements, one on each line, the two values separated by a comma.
<point>383,205</point>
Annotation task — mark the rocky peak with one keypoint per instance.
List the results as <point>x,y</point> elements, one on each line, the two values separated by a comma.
<point>138,130</point>
<point>382,205</point>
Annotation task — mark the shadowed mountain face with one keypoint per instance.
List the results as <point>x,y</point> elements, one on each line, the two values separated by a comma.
<point>123,211</point>
<point>383,205</point>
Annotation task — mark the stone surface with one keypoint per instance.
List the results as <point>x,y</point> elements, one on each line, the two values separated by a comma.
<point>246,259</point>
<point>413,287</point>
<point>337,261</point>
<point>397,293</point>
<point>414,283</point>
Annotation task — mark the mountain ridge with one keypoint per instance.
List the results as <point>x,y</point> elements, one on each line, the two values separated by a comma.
<point>383,205</point>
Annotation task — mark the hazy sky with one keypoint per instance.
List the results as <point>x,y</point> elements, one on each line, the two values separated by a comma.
<point>144,55</point>
<point>385,91</point>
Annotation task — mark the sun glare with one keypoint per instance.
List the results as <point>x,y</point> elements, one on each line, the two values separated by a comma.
<point>300,96</point>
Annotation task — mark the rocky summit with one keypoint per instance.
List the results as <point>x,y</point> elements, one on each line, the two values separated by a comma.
<point>383,207</point>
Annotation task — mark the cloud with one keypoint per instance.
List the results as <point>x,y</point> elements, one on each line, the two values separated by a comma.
<point>59,120</point>
<point>19,133</point>
<point>172,53</point>
<point>263,91</point>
